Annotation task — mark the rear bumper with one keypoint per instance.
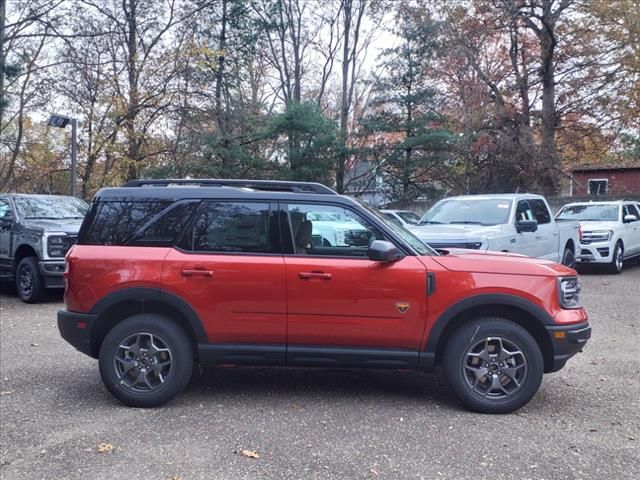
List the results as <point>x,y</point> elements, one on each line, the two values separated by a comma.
<point>75,328</point>
<point>567,340</point>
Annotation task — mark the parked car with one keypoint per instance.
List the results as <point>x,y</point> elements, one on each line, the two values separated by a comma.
<point>336,229</point>
<point>518,223</point>
<point>610,231</point>
<point>36,231</point>
<point>404,218</point>
<point>226,272</point>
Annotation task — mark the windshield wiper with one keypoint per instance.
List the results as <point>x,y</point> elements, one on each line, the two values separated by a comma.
<point>424,222</point>
<point>42,218</point>
<point>71,217</point>
<point>466,222</point>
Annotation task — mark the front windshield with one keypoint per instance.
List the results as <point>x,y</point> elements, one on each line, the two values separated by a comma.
<point>51,207</point>
<point>590,213</point>
<point>469,211</point>
<point>417,244</point>
<point>409,217</point>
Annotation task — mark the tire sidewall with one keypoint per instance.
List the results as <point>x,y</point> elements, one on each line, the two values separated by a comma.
<point>618,250</point>
<point>181,355</point>
<point>462,341</point>
<point>568,253</point>
<point>37,288</point>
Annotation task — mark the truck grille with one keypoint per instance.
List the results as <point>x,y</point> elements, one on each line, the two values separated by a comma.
<point>468,245</point>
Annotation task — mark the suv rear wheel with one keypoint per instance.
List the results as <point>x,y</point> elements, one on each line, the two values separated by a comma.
<point>493,365</point>
<point>29,283</point>
<point>146,360</point>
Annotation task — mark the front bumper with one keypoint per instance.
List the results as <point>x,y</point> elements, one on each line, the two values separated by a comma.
<point>52,273</point>
<point>600,252</point>
<point>567,340</point>
<point>75,328</point>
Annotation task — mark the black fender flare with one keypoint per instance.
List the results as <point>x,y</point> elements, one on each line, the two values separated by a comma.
<point>428,353</point>
<point>142,294</point>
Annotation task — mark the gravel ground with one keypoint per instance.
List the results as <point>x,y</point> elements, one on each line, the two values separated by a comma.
<point>320,424</point>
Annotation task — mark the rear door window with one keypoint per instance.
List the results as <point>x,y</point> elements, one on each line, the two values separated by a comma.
<point>233,227</point>
<point>540,211</point>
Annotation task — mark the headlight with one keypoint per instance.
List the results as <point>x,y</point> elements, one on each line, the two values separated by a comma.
<point>59,245</point>
<point>598,236</point>
<point>569,292</point>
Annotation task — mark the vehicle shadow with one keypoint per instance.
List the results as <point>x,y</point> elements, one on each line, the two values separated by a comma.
<point>600,269</point>
<point>321,384</point>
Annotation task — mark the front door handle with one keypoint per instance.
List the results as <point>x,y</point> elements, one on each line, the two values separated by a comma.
<point>311,275</point>
<point>197,271</point>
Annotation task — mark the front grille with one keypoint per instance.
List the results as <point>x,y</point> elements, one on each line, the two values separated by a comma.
<point>467,245</point>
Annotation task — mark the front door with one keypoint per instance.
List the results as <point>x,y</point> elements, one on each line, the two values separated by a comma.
<point>6,222</point>
<point>230,270</point>
<point>547,241</point>
<point>337,296</point>
<point>525,242</point>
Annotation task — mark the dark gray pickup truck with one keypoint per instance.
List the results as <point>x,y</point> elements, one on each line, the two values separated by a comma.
<point>36,231</point>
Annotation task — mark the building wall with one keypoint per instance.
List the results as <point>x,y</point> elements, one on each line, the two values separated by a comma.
<point>621,182</point>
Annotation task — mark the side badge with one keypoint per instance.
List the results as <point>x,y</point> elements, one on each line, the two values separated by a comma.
<point>403,306</point>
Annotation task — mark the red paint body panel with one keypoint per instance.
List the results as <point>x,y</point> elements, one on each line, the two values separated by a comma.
<point>357,305</point>
<point>244,301</point>
<point>93,271</point>
<point>262,299</point>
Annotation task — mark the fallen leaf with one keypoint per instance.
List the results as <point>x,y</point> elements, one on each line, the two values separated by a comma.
<point>176,477</point>
<point>7,392</point>
<point>249,453</point>
<point>105,448</point>
<point>35,345</point>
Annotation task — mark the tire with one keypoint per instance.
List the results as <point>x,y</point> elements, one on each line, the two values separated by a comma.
<point>568,258</point>
<point>29,284</point>
<point>507,392</point>
<point>133,373</point>
<point>617,261</point>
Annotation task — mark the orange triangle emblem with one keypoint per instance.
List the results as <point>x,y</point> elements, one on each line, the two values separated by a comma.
<point>403,306</point>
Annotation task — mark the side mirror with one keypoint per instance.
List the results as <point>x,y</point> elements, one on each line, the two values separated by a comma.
<point>630,218</point>
<point>383,251</point>
<point>526,226</point>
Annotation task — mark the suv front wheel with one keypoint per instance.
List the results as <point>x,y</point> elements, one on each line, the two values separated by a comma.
<point>493,365</point>
<point>146,360</point>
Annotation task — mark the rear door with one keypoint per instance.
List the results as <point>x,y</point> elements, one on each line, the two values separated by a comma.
<point>546,244</point>
<point>230,269</point>
<point>338,298</point>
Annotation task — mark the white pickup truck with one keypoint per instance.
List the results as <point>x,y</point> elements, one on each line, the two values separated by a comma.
<point>519,223</point>
<point>610,231</point>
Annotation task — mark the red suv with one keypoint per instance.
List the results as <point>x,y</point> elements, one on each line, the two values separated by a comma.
<point>171,273</point>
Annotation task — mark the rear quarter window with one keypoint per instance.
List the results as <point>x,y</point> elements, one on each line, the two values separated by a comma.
<point>115,223</point>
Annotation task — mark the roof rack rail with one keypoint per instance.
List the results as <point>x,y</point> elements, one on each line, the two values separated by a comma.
<point>265,185</point>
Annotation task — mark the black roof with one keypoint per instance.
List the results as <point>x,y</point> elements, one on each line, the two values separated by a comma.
<point>177,189</point>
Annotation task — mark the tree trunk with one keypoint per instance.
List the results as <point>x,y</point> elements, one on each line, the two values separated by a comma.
<point>133,145</point>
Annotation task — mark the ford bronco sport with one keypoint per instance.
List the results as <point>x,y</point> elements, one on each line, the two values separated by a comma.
<point>169,273</point>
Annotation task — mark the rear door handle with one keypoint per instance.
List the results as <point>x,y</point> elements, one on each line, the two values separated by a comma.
<point>197,271</point>
<point>310,275</point>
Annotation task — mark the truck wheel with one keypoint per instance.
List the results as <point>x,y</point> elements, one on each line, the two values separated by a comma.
<point>493,365</point>
<point>568,258</point>
<point>617,261</point>
<point>29,283</point>
<point>146,360</point>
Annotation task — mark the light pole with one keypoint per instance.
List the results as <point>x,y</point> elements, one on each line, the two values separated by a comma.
<point>61,121</point>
